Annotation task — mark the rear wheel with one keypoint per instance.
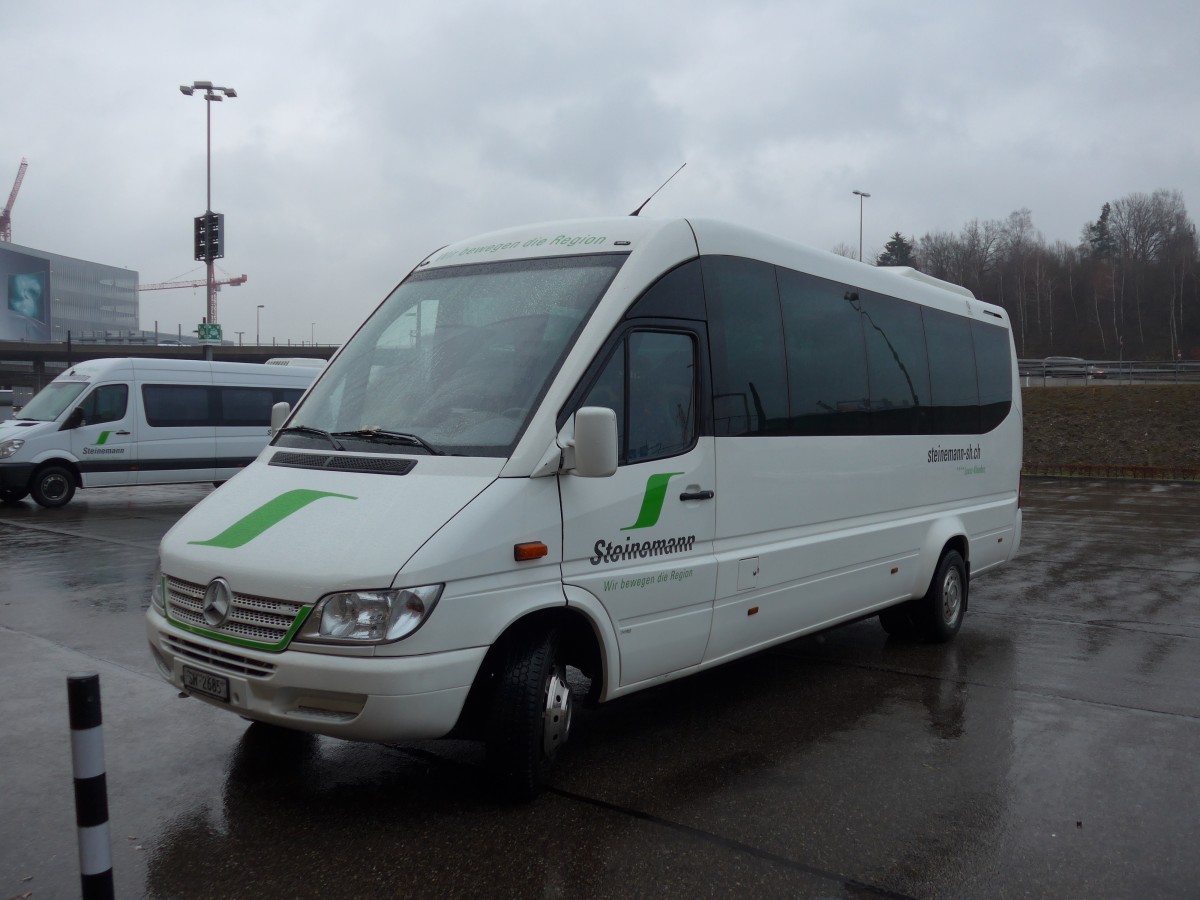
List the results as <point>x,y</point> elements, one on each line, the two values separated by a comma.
<point>13,495</point>
<point>941,610</point>
<point>530,717</point>
<point>53,486</point>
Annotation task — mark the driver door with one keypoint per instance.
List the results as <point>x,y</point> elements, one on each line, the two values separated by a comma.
<point>105,442</point>
<point>641,540</point>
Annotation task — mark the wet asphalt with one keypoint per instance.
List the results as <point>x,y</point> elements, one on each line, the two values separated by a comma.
<point>1052,750</point>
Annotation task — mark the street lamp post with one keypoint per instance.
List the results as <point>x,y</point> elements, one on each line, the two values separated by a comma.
<point>239,334</point>
<point>257,330</point>
<point>211,94</point>
<point>862,195</point>
<point>313,335</point>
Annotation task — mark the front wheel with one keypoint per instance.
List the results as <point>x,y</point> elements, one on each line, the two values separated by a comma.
<point>941,609</point>
<point>53,486</point>
<point>530,718</point>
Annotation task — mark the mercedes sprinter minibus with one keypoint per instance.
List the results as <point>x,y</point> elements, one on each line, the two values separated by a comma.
<point>638,449</point>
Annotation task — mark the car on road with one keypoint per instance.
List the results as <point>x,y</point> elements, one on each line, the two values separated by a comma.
<point>1070,367</point>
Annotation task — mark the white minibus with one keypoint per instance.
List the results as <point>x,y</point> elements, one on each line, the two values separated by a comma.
<point>633,448</point>
<point>116,422</point>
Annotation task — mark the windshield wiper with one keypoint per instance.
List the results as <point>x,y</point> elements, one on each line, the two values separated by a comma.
<point>383,436</point>
<point>304,429</point>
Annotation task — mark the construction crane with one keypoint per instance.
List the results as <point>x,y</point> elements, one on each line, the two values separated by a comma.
<point>6,216</point>
<point>200,282</point>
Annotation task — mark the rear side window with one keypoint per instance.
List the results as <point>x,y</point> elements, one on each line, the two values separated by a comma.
<point>244,405</point>
<point>191,405</point>
<point>176,405</point>
<point>994,359</point>
<point>952,373</point>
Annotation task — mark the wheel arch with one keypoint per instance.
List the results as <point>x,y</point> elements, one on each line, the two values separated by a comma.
<point>943,535</point>
<point>583,647</point>
<point>66,462</point>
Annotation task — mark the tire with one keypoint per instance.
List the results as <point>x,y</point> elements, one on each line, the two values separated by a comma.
<point>940,612</point>
<point>13,495</point>
<point>530,715</point>
<point>53,486</point>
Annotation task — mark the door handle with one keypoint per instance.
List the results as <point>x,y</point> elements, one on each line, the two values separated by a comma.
<point>123,432</point>
<point>696,495</point>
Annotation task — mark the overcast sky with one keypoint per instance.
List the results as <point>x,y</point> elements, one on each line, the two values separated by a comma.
<point>365,135</point>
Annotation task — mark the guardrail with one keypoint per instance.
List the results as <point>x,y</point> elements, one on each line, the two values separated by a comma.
<point>1066,371</point>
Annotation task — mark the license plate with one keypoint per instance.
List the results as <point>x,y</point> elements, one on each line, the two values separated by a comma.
<point>204,683</point>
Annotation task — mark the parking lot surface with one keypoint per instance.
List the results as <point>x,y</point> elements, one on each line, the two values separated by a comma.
<point>1053,749</point>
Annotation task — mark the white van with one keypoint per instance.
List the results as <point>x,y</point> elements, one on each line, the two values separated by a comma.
<point>113,422</point>
<point>638,449</point>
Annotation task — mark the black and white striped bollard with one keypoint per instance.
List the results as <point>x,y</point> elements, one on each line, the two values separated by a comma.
<point>91,790</point>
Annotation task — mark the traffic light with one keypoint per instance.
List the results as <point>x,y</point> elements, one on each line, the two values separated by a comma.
<point>208,238</point>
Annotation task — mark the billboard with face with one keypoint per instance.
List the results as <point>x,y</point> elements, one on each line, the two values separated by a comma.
<point>25,311</point>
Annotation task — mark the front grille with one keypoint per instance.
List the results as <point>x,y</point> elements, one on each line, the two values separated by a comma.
<point>233,663</point>
<point>260,621</point>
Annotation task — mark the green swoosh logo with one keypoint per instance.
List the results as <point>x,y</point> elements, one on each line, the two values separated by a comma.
<point>267,516</point>
<point>103,437</point>
<point>652,501</point>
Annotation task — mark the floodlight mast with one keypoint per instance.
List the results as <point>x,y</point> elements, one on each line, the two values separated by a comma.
<point>212,93</point>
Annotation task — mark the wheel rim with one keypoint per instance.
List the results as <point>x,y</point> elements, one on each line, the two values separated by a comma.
<point>951,596</point>
<point>54,487</point>
<point>558,712</point>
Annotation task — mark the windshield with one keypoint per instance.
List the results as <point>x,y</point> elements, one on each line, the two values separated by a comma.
<point>455,359</point>
<point>48,404</point>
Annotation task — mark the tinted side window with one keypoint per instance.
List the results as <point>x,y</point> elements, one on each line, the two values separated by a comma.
<point>677,295</point>
<point>244,405</point>
<point>951,373</point>
<point>826,359</point>
<point>896,364</point>
<point>289,395</point>
<point>106,403</point>
<point>994,361</point>
<point>609,392</point>
<point>650,382</point>
<point>750,388</point>
<point>176,405</point>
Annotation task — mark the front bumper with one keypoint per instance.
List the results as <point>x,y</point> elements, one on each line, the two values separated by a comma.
<point>15,475</point>
<point>363,698</point>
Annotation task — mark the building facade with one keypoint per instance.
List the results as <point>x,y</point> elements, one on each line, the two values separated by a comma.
<point>44,297</point>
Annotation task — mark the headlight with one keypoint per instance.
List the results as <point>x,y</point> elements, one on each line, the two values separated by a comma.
<point>9,447</point>
<point>158,594</point>
<point>373,617</point>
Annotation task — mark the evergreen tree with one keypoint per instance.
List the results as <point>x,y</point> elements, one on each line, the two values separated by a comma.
<point>898,251</point>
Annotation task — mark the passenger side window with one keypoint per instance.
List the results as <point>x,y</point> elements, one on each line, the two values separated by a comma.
<point>896,364</point>
<point>994,360</point>
<point>750,380</point>
<point>106,403</point>
<point>176,405</point>
<point>245,405</point>
<point>649,382</point>
<point>826,358</point>
<point>951,373</point>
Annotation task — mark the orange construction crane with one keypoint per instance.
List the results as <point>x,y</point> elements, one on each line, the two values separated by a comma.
<point>6,216</point>
<point>201,282</point>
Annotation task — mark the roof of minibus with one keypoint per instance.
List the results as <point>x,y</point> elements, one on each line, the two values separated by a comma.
<point>629,233</point>
<point>129,367</point>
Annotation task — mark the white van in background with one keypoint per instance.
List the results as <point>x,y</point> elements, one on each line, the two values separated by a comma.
<point>639,449</point>
<point>115,422</point>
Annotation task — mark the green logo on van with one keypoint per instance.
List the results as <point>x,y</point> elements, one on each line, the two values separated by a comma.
<point>265,517</point>
<point>103,437</point>
<point>652,501</point>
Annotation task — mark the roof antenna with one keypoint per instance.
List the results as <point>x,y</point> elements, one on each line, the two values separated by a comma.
<point>660,187</point>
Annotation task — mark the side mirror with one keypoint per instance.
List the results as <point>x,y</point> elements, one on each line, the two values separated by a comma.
<point>279,414</point>
<point>595,442</point>
<point>74,420</point>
